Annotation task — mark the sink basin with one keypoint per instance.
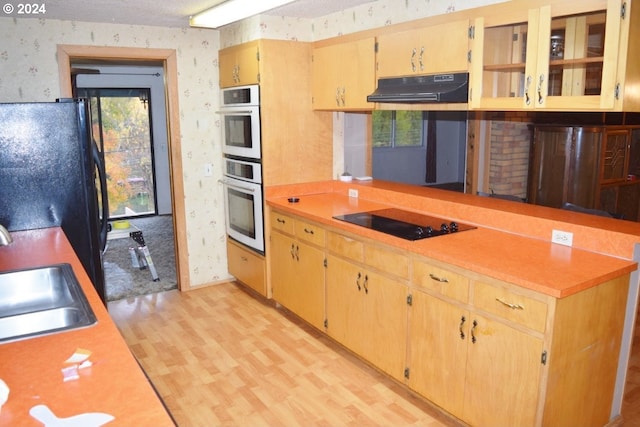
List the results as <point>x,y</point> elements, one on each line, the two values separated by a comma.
<point>41,301</point>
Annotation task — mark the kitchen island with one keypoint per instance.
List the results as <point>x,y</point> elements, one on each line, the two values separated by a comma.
<point>495,325</point>
<point>114,384</point>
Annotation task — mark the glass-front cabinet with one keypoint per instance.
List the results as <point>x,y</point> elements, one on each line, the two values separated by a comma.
<point>561,56</point>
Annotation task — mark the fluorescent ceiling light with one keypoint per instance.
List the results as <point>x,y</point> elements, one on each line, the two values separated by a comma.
<point>232,11</point>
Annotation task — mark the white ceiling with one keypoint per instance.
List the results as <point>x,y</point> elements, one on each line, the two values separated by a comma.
<point>173,13</point>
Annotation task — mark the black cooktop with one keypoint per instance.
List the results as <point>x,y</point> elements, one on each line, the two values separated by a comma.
<point>404,224</point>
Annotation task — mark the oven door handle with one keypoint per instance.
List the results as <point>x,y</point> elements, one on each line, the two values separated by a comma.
<point>236,186</point>
<point>235,112</point>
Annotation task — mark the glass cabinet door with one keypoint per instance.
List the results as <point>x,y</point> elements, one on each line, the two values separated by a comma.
<point>558,57</point>
<point>503,62</point>
<point>581,60</point>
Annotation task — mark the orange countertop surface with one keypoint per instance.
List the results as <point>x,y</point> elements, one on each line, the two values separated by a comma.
<point>114,384</point>
<point>532,263</point>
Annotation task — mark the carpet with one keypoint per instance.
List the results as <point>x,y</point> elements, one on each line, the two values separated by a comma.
<point>123,280</point>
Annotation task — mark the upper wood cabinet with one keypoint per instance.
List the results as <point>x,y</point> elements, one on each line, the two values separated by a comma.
<point>441,48</point>
<point>239,65</point>
<point>343,75</point>
<point>561,56</point>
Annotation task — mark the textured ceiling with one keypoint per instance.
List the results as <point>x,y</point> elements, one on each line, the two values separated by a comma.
<point>171,13</point>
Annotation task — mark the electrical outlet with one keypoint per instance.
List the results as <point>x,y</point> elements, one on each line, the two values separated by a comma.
<point>562,237</point>
<point>353,193</point>
<point>208,169</point>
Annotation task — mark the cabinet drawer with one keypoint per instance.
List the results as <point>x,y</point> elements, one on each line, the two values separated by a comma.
<point>445,282</point>
<point>345,246</point>
<point>247,266</point>
<point>387,260</point>
<point>282,222</point>
<point>309,232</point>
<point>509,305</point>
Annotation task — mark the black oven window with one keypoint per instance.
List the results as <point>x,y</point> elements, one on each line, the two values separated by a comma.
<point>238,131</point>
<point>241,213</point>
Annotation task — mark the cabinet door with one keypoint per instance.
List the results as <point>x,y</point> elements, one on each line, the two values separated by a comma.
<point>504,61</point>
<point>239,65</point>
<point>283,268</point>
<point>343,76</point>
<point>438,337</point>
<point>345,304</point>
<point>614,156</point>
<point>565,161</point>
<point>435,49</point>
<point>298,278</point>
<point>385,321</point>
<point>227,64</point>
<point>503,375</point>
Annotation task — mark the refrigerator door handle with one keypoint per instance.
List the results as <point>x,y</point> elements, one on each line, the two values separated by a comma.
<point>103,194</point>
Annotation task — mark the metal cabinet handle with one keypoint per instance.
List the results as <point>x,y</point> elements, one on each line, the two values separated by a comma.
<point>297,253</point>
<point>308,231</point>
<point>338,96</point>
<point>473,332</point>
<point>540,81</point>
<point>343,96</point>
<point>281,221</point>
<point>413,59</point>
<point>366,282</point>
<point>358,280</point>
<point>420,59</point>
<point>527,98</point>
<point>511,306</point>
<point>462,320</point>
<point>438,279</point>
<point>293,251</point>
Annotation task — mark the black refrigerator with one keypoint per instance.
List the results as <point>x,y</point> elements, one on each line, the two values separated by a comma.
<point>52,174</point>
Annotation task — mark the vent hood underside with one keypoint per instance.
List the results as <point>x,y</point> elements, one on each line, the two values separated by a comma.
<point>423,89</point>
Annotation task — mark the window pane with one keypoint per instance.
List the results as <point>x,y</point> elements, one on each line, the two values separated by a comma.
<point>382,126</point>
<point>408,129</point>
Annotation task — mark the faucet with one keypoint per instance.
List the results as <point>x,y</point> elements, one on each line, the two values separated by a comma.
<point>5,237</point>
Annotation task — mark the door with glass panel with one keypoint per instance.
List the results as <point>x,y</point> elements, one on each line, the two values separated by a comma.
<point>121,120</point>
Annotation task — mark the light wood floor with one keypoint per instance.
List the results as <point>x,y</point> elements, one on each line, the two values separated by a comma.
<point>219,357</point>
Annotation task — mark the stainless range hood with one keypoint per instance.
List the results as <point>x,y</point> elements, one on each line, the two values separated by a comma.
<point>438,88</point>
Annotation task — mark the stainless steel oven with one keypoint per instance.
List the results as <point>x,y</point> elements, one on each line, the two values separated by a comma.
<point>243,202</point>
<point>240,112</point>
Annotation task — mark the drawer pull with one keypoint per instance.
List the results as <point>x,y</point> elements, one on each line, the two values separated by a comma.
<point>511,306</point>
<point>358,280</point>
<point>438,279</point>
<point>293,251</point>
<point>462,320</point>
<point>366,282</point>
<point>281,221</point>
<point>308,231</point>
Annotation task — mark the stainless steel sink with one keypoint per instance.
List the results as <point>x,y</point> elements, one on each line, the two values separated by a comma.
<point>41,301</point>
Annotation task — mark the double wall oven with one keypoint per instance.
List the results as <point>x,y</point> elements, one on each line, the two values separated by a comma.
<point>240,118</point>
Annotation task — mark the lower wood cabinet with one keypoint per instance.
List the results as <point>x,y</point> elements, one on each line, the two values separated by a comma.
<point>485,372</point>
<point>298,272</point>
<point>367,313</point>
<point>438,334</point>
<point>486,351</point>
<point>247,266</point>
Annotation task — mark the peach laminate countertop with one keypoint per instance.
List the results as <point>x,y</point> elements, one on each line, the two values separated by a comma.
<point>532,263</point>
<point>114,384</point>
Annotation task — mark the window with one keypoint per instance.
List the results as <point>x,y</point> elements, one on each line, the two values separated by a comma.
<point>398,129</point>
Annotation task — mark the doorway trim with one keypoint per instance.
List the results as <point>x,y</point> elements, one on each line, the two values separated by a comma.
<point>168,57</point>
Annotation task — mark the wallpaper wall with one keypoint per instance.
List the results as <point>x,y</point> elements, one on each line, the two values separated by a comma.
<point>366,16</point>
<point>29,73</point>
